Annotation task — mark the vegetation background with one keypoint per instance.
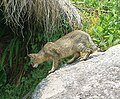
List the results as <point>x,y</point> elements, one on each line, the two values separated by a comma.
<point>100,18</point>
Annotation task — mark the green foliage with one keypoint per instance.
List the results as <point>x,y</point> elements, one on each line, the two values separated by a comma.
<point>2,71</point>
<point>2,77</point>
<point>107,32</point>
<point>101,19</point>
<point>9,58</point>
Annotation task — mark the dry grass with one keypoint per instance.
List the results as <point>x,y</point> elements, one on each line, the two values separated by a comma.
<point>42,14</point>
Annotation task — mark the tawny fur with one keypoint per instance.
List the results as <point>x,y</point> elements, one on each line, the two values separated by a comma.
<point>72,43</point>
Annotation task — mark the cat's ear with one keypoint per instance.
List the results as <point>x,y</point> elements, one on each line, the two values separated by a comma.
<point>32,55</point>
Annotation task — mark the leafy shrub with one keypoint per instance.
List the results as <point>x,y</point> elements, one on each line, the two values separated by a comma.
<point>101,19</point>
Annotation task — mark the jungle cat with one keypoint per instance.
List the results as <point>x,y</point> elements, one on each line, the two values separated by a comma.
<point>72,43</point>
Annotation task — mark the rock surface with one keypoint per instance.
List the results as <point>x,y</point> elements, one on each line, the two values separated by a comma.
<point>96,78</point>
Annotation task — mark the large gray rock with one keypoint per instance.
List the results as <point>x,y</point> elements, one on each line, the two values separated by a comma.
<point>96,78</point>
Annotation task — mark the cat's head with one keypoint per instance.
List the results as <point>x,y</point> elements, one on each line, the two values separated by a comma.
<point>34,59</point>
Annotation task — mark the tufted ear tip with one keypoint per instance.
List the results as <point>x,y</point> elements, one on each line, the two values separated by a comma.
<point>29,55</point>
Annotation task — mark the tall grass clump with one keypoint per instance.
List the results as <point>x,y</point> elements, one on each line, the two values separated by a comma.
<point>44,15</point>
